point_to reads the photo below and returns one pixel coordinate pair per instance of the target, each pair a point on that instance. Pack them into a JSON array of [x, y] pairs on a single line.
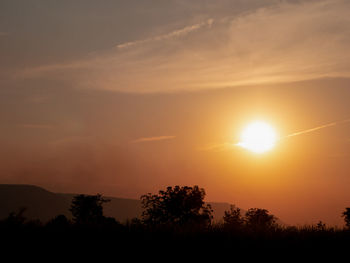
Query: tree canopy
[[258, 218], [233, 218], [178, 205], [87, 209]]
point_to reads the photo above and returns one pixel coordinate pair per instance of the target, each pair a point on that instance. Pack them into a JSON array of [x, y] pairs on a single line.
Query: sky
[[127, 97]]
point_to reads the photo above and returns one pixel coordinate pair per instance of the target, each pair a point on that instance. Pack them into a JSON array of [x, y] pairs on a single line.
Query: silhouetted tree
[[88, 209], [346, 215], [233, 218], [178, 205], [257, 218]]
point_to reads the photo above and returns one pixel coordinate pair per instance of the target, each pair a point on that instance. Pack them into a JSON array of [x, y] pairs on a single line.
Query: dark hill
[[44, 205], [39, 203]]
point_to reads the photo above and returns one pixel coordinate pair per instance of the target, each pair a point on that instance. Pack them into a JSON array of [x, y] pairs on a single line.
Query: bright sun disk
[[258, 137]]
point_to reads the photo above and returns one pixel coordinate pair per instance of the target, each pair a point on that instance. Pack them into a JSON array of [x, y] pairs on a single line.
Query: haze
[[127, 97]]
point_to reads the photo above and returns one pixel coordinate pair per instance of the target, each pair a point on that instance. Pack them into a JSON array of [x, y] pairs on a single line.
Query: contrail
[[228, 145], [317, 128], [177, 33], [152, 139]]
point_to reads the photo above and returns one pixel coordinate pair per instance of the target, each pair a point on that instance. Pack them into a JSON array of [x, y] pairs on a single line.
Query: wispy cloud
[[176, 33], [279, 43], [153, 139], [102, 58]]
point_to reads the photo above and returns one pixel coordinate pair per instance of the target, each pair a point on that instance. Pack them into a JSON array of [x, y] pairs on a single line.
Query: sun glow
[[258, 137]]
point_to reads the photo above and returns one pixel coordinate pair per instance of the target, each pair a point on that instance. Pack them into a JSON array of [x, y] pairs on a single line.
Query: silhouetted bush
[[346, 215], [321, 226]]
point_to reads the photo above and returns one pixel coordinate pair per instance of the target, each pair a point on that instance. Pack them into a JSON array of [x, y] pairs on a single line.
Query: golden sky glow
[[248, 99]]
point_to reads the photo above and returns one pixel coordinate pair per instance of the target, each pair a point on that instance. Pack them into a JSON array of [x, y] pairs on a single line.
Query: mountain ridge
[[44, 205]]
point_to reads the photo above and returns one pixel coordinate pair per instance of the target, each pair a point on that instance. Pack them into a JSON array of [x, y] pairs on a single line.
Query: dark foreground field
[[175, 224], [134, 240]]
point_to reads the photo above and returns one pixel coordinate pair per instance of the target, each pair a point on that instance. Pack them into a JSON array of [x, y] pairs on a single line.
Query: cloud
[[176, 33], [153, 139], [2, 34], [109, 56], [283, 42]]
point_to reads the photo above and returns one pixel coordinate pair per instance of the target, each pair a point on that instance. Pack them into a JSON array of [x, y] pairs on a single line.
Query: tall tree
[[258, 218], [88, 209], [178, 205], [233, 218]]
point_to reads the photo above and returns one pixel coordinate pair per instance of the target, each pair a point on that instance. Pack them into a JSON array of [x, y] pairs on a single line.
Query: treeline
[[177, 216]]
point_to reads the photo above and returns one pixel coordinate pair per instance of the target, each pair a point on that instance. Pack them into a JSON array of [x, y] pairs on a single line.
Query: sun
[[258, 137]]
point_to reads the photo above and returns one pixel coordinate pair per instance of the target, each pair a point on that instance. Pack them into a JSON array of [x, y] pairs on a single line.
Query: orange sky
[[128, 97]]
